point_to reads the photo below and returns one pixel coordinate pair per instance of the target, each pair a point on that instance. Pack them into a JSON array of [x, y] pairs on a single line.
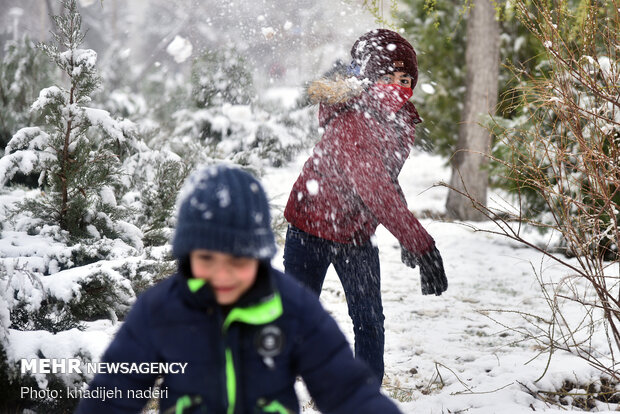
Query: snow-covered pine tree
[[23, 72], [79, 149]]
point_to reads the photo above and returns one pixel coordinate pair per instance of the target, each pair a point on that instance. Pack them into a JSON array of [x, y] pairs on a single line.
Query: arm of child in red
[[363, 166]]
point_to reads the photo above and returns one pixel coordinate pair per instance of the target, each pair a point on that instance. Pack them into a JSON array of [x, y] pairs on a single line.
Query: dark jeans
[[307, 257]]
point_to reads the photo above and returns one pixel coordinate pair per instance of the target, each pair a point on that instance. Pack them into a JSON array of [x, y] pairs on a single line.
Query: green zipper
[[259, 314]]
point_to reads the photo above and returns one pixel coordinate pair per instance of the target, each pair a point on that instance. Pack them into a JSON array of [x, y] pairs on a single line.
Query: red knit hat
[[383, 51]]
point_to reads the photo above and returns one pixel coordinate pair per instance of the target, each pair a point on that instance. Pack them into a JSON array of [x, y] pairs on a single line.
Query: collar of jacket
[[338, 95], [259, 305]]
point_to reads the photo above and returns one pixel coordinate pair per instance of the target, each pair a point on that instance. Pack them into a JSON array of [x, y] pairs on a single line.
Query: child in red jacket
[[350, 185]]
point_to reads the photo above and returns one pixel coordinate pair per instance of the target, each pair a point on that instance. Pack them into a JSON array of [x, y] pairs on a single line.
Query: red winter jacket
[[350, 183]]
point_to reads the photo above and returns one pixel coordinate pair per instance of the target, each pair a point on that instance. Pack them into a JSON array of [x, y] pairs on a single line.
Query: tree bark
[[469, 174]]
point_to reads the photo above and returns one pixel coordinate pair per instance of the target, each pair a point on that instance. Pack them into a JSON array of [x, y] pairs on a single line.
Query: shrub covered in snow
[[222, 76], [23, 73], [561, 160]]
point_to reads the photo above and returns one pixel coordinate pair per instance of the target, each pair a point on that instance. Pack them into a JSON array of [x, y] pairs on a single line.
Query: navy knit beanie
[[224, 209]]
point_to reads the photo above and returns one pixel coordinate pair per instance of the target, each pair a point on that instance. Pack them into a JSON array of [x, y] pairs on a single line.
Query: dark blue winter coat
[[229, 368]]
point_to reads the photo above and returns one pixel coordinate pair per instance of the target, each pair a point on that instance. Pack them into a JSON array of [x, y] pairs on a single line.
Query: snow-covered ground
[[442, 354]]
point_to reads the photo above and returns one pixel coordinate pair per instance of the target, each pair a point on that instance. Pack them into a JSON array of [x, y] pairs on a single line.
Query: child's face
[[229, 276], [396, 78]]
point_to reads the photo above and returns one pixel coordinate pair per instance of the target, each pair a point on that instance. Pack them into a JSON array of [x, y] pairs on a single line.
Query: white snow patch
[[240, 113], [47, 96], [112, 127], [107, 196]]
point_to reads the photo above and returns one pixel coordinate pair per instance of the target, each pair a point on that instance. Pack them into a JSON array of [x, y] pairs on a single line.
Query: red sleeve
[[361, 161]]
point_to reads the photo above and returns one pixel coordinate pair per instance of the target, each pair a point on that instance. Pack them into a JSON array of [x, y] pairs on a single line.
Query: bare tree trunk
[[482, 64]]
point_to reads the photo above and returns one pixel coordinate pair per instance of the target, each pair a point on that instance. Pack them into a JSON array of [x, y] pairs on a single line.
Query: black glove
[[432, 274], [409, 259]]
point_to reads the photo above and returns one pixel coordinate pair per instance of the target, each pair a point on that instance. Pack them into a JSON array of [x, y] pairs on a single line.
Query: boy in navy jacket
[[244, 330]]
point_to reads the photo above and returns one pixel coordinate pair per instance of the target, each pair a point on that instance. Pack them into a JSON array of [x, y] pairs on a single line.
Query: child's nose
[[222, 271]]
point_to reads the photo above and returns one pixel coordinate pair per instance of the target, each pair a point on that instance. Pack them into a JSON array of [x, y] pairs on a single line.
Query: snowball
[[268, 32], [428, 88], [180, 49], [313, 187]]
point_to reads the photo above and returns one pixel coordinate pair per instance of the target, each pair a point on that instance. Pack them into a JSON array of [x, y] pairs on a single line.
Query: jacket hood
[[338, 94], [335, 90]]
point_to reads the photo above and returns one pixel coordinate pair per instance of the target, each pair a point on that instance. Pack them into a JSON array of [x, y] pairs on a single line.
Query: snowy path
[[480, 364]]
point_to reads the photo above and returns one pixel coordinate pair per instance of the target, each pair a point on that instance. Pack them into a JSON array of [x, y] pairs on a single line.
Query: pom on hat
[[224, 209], [383, 51]]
